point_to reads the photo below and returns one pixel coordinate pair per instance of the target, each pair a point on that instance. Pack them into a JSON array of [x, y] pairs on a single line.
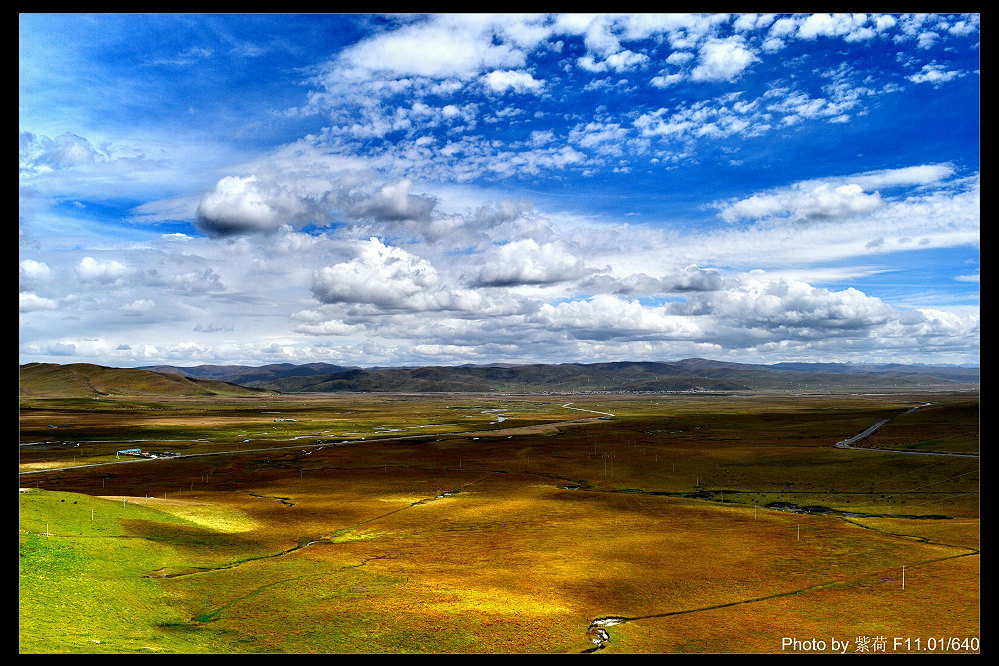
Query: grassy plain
[[485, 523]]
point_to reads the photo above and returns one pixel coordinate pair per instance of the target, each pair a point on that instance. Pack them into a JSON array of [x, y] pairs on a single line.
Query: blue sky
[[443, 189]]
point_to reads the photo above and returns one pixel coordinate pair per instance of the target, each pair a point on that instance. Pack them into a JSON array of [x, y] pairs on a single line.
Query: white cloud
[[923, 174], [748, 22], [692, 279], [407, 136], [796, 308], [382, 275], [29, 302], [934, 74], [773, 45], [441, 46], [104, 272], [796, 106], [884, 22], [806, 202], [247, 205], [667, 80], [679, 58], [594, 134], [964, 27], [783, 27], [33, 272], [850, 26], [927, 40], [199, 282], [139, 307], [621, 61], [521, 82], [756, 313], [720, 117], [837, 199], [605, 317], [39, 152], [329, 327], [392, 202], [723, 59], [529, 262]]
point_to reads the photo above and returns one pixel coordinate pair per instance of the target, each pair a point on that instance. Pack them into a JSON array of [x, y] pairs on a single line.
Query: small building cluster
[[144, 454]]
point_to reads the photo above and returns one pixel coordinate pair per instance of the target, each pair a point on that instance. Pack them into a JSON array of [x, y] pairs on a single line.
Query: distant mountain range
[[688, 375]]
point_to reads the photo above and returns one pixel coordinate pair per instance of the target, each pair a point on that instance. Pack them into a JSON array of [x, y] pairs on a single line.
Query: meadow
[[366, 523]]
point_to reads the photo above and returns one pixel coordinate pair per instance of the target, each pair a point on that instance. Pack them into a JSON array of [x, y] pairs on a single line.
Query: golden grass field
[[448, 530]]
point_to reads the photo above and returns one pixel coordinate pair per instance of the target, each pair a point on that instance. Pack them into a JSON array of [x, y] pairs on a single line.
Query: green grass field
[[448, 530]]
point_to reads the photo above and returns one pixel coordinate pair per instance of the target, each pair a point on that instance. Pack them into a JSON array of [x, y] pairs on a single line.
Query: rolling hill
[[84, 380]]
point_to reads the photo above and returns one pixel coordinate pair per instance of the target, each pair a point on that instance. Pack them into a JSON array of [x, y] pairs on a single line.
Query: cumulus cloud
[[749, 21], [529, 262], [247, 205], [797, 308], [441, 46], [934, 74], [723, 59], [505, 211], [392, 202], [665, 80], [811, 201], [520, 82], [692, 279], [33, 272], [679, 58], [637, 284], [319, 324], [606, 317], [199, 282], [853, 27], [386, 280], [29, 302], [756, 311], [772, 45], [381, 275], [858, 195], [615, 62], [928, 39], [103, 272]]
